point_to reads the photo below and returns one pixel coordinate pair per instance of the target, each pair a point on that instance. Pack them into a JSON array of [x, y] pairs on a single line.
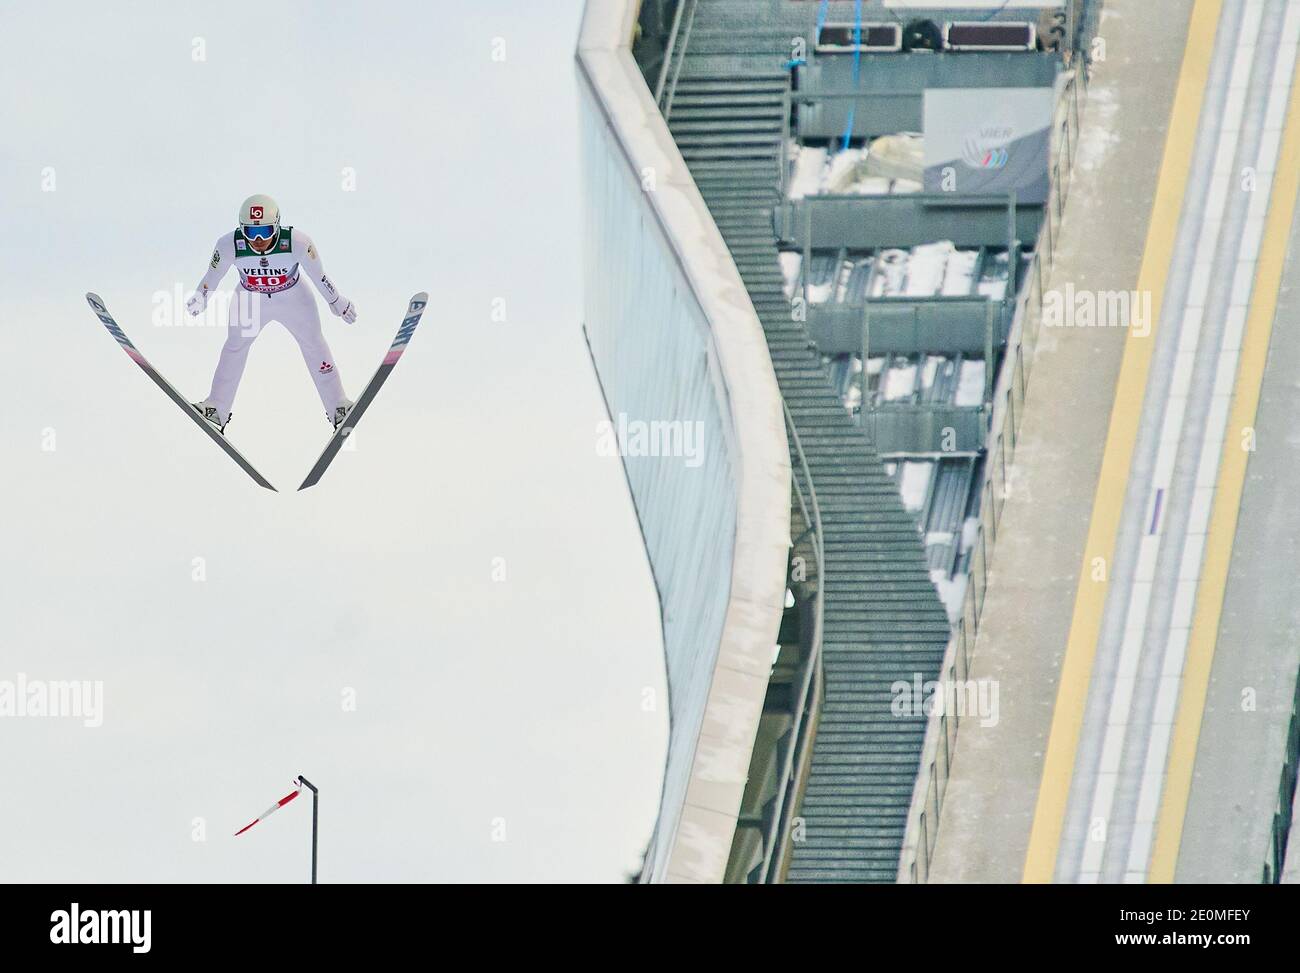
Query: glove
[[343, 308], [197, 302]]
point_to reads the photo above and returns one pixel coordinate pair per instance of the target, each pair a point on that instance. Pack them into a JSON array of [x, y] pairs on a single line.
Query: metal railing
[[1004, 426], [664, 99], [777, 836], [1280, 831]]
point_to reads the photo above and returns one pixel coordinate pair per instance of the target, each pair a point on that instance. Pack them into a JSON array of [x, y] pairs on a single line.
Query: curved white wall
[[675, 338]]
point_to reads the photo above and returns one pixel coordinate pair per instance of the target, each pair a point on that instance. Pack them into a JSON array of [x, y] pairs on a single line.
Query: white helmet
[[259, 210], [259, 221]]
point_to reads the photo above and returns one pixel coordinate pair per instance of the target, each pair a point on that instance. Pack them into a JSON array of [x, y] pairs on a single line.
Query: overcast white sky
[[475, 699]]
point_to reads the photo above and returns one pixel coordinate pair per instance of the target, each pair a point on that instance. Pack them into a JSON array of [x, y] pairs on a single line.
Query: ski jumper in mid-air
[[270, 259]]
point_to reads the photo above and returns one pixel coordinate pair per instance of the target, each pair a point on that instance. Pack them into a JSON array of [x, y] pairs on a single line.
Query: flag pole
[[315, 807]]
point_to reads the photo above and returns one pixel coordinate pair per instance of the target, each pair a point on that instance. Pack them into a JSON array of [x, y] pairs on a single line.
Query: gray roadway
[[1252, 683], [1124, 791]]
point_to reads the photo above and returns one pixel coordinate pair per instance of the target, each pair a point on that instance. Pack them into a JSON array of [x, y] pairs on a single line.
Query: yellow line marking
[[1108, 503], [1227, 500]]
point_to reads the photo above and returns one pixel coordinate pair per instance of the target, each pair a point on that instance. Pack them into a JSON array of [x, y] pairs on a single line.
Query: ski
[[413, 312], [101, 312]]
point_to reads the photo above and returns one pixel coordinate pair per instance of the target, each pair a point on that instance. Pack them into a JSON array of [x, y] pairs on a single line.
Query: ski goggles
[[259, 232]]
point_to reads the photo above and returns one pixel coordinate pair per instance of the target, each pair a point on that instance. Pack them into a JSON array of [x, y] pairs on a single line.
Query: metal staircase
[[883, 620]]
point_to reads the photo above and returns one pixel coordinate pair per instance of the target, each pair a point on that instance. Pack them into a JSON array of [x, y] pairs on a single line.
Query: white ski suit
[[268, 291]]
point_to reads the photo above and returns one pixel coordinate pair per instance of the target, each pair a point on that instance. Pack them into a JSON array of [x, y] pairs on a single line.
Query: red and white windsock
[[273, 808]]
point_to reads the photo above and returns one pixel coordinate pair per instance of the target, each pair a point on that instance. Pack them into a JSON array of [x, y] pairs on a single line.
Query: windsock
[[273, 808]]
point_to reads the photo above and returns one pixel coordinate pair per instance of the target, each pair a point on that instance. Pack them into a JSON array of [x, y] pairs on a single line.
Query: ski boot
[[341, 413], [209, 413]]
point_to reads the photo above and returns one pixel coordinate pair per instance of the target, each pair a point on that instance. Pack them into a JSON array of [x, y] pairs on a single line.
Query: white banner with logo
[[988, 141]]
